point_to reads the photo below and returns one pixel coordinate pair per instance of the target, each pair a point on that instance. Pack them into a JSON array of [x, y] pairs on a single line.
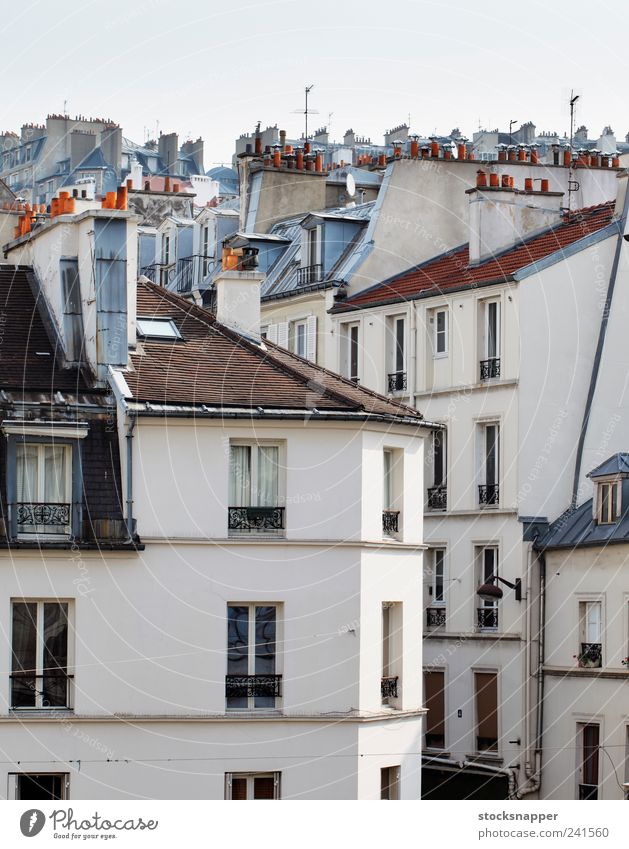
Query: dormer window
[[608, 500]]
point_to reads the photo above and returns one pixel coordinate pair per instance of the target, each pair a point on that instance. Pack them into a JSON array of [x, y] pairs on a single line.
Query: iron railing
[[435, 617], [252, 686], [388, 687], [490, 368], [438, 497], [50, 689], [487, 617], [397, 381], [489, 493], [255, 518], [588, 791], [591, 656], [30, 515], [309, 274], [390, 521], [191, 271], [160, 273]]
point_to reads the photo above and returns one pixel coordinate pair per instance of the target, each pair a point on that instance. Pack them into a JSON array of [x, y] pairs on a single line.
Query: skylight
[[158, 328]]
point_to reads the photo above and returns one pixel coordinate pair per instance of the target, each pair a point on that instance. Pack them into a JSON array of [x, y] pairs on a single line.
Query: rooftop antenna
[[330, 122], [572, 184], [65, 108], [511, 123], [306, 111]]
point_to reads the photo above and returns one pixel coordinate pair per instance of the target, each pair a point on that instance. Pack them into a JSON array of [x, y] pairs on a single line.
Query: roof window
[[158, 328]]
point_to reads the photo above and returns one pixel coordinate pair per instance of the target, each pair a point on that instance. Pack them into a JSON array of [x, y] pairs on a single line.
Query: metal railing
[[390, 521], [438, 497], [388, 687], [591, 656], [192, 271], [161, 273], [397, 381], [49, 689], [255, 518], [489, 493], [490, 368], [252, 686], [31, 516], [487, 618], [309, 274], [435, 617]]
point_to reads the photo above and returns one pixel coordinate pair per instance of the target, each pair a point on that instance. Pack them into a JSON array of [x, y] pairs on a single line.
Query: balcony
[[397, 381], [390, 522], [253, 686], [490, 368], [161, 273], [588, 791], [388, 687], [487, 618], [438, 497], [255, 518], [435, 617], [43, 518], [191, 271], [591, 656], [48, 690], [489, 494], [309, 274]]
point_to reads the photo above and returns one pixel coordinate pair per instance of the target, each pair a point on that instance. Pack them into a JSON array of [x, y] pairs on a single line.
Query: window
[[72, 312], [390, 783], [441, 333], [302, 338], [392, 489], [349, 351], [486, 568], [396, 354], [39, 669], [608, 494], [254, 488], [39, 786], [43, 488], [165, 250], [590, 625], [489, 488], [490, 357], [252, 680], [434, 690], [486, 698], [243, 786], [158, 328], [437, 493], [438, 576], [587, 773], [391, 650]]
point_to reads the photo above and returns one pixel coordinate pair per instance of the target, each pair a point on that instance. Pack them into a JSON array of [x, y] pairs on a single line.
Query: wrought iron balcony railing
[[438, 497], [252, 686], [255, 518], [591, 656], [490, 368], [489, 494], [390, 521], [388, 687], [588, 791], [42, 517], [51, 689], [435, 617], [309, 274], [487, 618], [191, 271], [397, 381]]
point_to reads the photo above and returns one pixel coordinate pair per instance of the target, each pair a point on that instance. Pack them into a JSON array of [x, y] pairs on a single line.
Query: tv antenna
[[305, 112], [573, 186]]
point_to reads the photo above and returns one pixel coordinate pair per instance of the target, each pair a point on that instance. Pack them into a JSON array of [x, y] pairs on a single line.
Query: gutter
[[132, 421]]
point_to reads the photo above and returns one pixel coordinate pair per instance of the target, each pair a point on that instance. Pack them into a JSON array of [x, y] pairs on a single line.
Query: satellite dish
[[350, 185]]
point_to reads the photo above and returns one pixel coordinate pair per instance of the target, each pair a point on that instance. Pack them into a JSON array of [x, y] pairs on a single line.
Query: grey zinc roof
[[577, 528], [616, 465]]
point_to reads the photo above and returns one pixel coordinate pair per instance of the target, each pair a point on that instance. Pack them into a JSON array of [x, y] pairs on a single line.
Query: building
[[585, 563], [212, 549]]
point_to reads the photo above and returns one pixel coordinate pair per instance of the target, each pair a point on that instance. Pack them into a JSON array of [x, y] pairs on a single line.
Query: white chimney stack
[[238, 301]]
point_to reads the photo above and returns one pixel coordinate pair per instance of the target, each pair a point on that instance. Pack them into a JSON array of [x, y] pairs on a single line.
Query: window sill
[[257, 534]]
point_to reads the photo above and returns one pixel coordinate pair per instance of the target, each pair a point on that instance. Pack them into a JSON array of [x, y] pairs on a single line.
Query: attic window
[[158, 328], [608, 502]]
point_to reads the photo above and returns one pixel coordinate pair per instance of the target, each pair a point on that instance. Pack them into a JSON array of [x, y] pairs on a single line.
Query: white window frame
[[482, 575], [13, 782], [40, 530], [444, 334], [348, 328], [608, 516], [439, 554], [254, 472], [251, 645], [393, 346], [250, 778], [487, 355]]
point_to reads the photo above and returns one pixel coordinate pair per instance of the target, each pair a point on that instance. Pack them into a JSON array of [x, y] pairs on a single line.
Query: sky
[[214, 69]]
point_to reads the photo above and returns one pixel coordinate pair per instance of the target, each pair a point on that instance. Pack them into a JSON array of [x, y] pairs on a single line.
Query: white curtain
[[593, 622], [240, 476], [26, 456], [268, 458], [54, 474]]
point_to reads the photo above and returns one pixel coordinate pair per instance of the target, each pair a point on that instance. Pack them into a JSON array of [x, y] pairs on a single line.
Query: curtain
[[240, 476], [54, 474], [26, 456], [268, 459]]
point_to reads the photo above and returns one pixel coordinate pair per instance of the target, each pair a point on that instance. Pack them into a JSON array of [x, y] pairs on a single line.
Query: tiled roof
[[215, 366], [451, 270]]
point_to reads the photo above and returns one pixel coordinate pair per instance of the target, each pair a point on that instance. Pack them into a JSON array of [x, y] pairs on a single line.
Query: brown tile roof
[[217, 367], [451, 270]]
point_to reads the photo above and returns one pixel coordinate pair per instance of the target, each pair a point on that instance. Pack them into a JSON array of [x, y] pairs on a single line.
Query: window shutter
[[311, 338], [282, 334], [271, 334]]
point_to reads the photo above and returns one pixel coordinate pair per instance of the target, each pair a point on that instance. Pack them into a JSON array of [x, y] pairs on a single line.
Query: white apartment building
[[212, 551]]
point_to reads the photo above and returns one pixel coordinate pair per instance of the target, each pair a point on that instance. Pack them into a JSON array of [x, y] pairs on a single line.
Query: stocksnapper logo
[[32, 822]]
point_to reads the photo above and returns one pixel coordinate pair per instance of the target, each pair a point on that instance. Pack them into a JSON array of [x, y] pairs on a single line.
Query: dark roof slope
[[215, 366], [452, 270], [577, 528]]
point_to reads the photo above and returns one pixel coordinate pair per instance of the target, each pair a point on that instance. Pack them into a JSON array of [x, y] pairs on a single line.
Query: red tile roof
[[215, 366], [451, 270]]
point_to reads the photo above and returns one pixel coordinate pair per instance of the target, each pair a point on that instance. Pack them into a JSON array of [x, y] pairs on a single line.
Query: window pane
[[55, 654], [353, 357], [24, 654], [239, 789], [240, 476], [491, 454], [265, 649], [26, 458], [237, 648], [439, 458], [300, 340], [54, 474], [263, 787], [593, 622], [399, 344], [268, 460], [439, 566], [435, 703], [492, 330], [388, 474], [486, 710], [590, 754]]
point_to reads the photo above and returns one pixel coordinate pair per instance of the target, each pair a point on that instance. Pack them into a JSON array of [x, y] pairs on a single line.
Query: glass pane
[[26, 458], [24, 687], [54, 474], [399, 344], [300, 340], [438, 459], [239, 789], [240, 476], [263, 787], [439, 576], [268, 460], [265, 649], [388, 489], [55, 654], [491, 455], [593, 624], [353, 367], [492, 330], [590, 754], [237, 649], [40, 787]]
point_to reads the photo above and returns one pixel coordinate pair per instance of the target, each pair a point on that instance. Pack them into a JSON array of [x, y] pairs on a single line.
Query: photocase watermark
[[66, 826]]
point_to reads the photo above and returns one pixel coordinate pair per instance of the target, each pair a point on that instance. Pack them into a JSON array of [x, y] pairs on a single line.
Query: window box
[[590, 656]]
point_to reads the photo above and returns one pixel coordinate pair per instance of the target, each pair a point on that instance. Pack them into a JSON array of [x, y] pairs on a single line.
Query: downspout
[[599, 348], [129, 437], [412, 362]]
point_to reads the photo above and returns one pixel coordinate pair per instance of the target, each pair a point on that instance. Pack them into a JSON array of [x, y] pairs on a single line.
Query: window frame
[[390, 791], [293, 337], [442, 723], [444, 333], [14, 783], [492, 750], [250, 779], [251, 651], [435, 602], [613, 504], [487, 304], [174, 336]]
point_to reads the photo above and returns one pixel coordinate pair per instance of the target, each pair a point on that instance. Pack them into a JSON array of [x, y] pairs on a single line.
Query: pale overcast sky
[[209, 68]]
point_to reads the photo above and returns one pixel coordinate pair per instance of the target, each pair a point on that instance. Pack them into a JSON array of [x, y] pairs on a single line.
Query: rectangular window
[[588, 777], [591, 627], [297, 338], [252, 680], [434, 690], [166, 250], [438, 575], [486, 697], [489, 486], [492, 330], [390, 783], [39, 786], [608, 502], [391, 650], [254, 488], [39, 669], [43, 488], [396, 336], [243, 786], [439, 438], [441, 333], [487, 568], [352, 354], [392, 490]]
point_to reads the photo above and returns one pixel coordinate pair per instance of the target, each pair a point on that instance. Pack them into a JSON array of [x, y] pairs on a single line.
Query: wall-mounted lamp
[[489, 591]]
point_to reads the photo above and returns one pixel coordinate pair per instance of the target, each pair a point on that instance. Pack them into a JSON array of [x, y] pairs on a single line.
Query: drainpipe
[[412, 360], [129, 437], [599, 348], [508, 771]]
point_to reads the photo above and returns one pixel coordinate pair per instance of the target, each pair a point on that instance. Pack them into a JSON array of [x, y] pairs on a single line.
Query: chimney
[[501, 217], [238, 295]]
